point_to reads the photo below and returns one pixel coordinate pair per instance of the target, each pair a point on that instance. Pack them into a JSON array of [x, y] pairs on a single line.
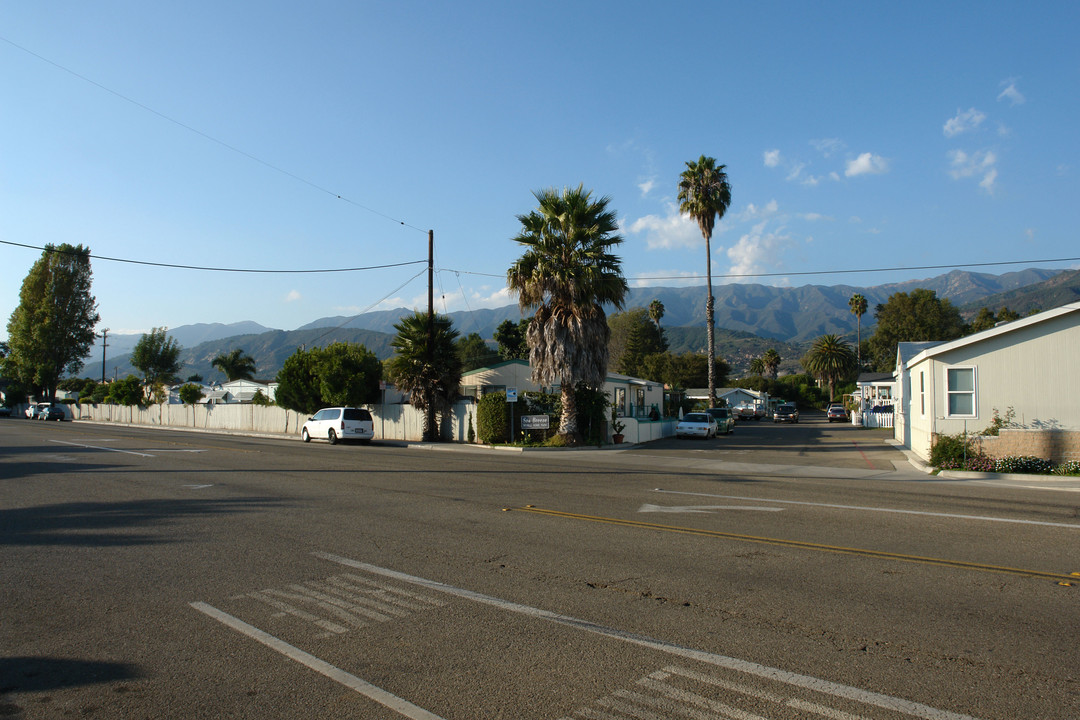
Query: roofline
[[994, 332]]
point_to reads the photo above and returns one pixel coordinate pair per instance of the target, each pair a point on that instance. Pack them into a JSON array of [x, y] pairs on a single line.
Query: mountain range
[[750, 318]]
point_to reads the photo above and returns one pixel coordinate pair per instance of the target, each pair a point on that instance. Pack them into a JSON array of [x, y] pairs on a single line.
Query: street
[[785, 571]]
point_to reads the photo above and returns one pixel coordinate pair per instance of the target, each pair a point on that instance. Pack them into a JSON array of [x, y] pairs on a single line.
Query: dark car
[[53, 412], [725, 421], [786, 413]]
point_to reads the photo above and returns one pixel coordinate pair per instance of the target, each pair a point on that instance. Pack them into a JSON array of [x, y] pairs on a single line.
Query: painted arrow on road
[[702, 508]]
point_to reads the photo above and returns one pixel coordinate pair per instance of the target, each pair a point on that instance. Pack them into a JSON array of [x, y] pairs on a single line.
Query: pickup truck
[[750, 412]]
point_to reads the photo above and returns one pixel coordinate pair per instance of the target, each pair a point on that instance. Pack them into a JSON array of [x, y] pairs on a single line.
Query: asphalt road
[[781, 572]]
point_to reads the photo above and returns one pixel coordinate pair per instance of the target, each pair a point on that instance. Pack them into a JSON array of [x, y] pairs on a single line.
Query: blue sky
[[328, 135]]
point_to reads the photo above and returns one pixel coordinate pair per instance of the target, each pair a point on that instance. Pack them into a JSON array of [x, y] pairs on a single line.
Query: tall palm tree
[[236, 365], [830, 359], [757, 367], [772, 360], [656, 312], [704, 195], [858, 308], [430, 379], [567, 274]]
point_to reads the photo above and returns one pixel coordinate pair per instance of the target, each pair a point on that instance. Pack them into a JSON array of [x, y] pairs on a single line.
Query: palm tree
[[858, 308], [656, 312], [568, 273], [757, 367], [771, 359], [430, 379], [704, 195], [236, 365], [830, 359]]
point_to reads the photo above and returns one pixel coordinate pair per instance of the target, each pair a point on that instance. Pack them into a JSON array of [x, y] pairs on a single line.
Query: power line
[[225, 269], [211, 138], [369, 307]]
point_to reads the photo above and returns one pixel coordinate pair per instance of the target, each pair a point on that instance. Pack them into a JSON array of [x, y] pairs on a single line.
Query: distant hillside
[[735, 347], [186, 335], [796, 315], [1054, 292], [269, 349]]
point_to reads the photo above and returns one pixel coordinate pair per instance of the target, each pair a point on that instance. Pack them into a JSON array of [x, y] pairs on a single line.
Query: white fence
[[873, 420]]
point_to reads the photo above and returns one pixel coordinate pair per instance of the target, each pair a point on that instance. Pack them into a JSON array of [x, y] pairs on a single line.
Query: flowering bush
[[1023, 464], [974, 463]]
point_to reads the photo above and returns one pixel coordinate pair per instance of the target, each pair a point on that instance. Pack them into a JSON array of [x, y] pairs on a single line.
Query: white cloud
[[753, 212], [666, 278], [828, 146], [293, 296], [673, 230], [1029, 235], [646, 186], [757, 251], [772, 158], [813, 217], [979, 164], [866, 164], [1011, 93], [963, 122]]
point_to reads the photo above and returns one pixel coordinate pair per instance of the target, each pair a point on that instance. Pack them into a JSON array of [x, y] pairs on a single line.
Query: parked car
[[749, 412], [836, 411], [786, 413], [339, 423], [52, 412], [725, 421], [33, 409], [696, 425], [5, 412]]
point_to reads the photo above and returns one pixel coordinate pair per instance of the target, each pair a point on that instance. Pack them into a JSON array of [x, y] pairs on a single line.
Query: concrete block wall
[[1057, 446]]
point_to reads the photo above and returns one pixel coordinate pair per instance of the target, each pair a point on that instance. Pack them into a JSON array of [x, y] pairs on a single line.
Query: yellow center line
[[1065, 577]]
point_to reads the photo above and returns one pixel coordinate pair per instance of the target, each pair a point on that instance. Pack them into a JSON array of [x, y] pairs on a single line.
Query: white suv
[[339, 423]]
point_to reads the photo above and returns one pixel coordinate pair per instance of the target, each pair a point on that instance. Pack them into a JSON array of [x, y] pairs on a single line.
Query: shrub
[[949, 451], [491, 418], [1069, 468]]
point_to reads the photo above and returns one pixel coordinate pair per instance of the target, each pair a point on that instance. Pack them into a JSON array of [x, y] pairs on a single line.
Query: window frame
[[973, 392]]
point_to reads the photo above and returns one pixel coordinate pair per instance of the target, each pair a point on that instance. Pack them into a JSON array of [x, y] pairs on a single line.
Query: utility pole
[[430, 423], [104, 335]]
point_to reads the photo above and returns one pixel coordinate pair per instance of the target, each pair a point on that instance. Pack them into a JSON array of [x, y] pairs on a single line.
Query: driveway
[[813, 441]]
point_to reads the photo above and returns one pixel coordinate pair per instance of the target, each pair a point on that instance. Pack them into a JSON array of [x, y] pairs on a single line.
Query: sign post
[[511, 398]]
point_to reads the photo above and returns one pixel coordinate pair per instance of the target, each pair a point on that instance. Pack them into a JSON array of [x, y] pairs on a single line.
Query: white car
[[339, 423], [35, 409], [700, 425]]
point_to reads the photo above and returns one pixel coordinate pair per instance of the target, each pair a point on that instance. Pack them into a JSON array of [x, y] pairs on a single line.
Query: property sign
[[511, 394], [535, 422]]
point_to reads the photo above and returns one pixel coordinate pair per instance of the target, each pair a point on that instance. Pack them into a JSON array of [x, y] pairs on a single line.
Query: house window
[[620, 401], [960, 392], [922, 393]]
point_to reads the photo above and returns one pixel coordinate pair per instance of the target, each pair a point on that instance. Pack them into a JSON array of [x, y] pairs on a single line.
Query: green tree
[[235, 365], [158, 357], [298, 383], [688, 370], [985, 319], [338, 374], [915, 317], [771, 360], [474, 352], [191, 394], [567, 274], [128, 391], [426, 366], [704, 195], [857, 304], [52, 329], [757, 367], [633, 335], [348, 374], [511, 337], [830, 359]]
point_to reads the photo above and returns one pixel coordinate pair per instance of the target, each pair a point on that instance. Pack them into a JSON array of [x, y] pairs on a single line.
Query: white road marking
[[866, 697], [398, 705], [701, 508], [198, 487], [983, 518], [98, 447]]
